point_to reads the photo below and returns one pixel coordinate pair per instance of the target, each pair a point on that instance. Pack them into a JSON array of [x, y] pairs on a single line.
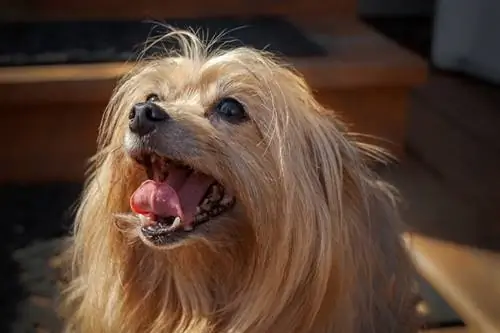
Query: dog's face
[[223, 147], [207, 135], [188, 126]]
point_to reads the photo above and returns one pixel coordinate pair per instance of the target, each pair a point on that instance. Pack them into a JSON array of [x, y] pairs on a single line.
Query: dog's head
[[226, 165], [220, 142]]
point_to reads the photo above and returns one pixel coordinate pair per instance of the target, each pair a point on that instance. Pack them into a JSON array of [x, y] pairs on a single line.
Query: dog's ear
[[334, 158], [340, 155], [354, 206], [366, 221]]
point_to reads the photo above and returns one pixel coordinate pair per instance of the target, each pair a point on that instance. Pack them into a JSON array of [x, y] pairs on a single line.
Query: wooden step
[[365, 77], [467, 278]]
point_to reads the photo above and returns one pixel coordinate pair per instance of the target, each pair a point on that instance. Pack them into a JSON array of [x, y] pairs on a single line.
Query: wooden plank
[[48, 143], [468, 278]]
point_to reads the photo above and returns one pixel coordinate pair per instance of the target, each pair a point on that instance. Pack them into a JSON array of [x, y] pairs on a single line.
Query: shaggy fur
[[312, 244]]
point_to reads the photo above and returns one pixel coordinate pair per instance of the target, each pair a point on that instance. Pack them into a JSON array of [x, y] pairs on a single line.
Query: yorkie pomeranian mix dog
[[225, 199]]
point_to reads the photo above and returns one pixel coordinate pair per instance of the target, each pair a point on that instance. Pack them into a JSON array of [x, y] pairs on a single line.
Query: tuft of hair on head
[[191, 43]]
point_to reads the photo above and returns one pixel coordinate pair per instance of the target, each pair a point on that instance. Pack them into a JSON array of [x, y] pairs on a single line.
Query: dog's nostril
[[155, 113], [131, 115]]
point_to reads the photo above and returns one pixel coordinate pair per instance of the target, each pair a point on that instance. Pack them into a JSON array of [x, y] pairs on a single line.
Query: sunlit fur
[[312, 245]]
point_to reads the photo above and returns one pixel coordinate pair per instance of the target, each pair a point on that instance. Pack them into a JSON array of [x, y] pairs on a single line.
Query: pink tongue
[[156, 198], [178, 195]]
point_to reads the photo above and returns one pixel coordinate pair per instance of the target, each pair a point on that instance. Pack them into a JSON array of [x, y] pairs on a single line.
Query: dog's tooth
[[198, 209], [227, 200], [206, 205], [188, 227], [176, 223], [201, 217], [216, 193]]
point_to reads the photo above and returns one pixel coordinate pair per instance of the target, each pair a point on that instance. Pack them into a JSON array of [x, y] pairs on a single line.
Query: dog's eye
[[231, 110], [152, 98]]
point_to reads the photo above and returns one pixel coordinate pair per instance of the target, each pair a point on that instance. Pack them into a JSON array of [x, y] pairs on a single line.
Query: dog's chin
[[177, 205]]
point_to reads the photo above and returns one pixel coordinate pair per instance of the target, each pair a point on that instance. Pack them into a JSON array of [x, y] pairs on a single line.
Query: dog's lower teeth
[[188, 228], [227, 200], [206, 205], [215, 194], [215, 211], [201, 217]]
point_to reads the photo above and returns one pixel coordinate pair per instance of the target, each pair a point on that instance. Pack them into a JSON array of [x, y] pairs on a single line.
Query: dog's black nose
[[145, 116]]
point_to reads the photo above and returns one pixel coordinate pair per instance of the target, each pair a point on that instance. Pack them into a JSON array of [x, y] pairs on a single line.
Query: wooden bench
[[50, 114], [467, 278]]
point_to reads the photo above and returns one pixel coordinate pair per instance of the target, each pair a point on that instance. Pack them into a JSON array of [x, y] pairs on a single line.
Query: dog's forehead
[[217, 75]]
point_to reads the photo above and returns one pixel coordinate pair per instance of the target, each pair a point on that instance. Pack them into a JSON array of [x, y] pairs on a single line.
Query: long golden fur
[[312, 244]]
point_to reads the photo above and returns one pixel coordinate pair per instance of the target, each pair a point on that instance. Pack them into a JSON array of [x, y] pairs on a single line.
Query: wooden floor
[[451, 176]]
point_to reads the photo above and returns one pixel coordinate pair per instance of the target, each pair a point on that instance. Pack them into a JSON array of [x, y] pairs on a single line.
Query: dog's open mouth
[[176, 199]]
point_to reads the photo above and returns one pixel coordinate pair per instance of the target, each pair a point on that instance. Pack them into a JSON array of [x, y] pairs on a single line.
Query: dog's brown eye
[[231, 110], [152, 98]]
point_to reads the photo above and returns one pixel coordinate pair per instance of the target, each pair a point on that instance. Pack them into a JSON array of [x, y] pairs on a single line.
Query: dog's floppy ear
[[339, 154], [366, 222], [353, 209]]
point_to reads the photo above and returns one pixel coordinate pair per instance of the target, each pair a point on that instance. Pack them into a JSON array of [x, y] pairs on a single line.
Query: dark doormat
[[412, 32], [77, 42], [40, 279], [31, 214]]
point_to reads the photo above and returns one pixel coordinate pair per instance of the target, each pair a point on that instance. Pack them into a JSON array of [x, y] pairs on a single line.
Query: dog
[[224, 198]]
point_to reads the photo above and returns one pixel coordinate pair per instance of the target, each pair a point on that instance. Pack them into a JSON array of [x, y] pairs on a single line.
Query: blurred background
[[422, 76]]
